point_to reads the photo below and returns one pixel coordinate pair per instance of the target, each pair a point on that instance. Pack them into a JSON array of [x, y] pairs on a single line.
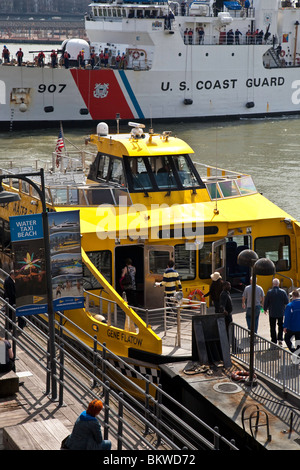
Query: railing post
[[61, 374], [106, 412], [158, 414], [120, 421], [216, 438], [178, 328], [94, 362]]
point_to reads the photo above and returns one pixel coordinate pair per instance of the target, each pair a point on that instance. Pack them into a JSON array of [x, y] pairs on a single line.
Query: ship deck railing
[[87, 372]]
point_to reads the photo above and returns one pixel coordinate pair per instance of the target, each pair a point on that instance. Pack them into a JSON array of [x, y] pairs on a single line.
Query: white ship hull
[[178, 81]]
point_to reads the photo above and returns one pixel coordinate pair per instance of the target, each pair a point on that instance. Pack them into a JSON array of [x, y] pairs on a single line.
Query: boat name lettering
[[122, 336], [52, 88], [260, 82]]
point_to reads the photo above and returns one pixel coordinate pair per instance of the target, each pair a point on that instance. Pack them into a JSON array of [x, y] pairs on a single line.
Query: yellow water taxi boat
[[143, 198]]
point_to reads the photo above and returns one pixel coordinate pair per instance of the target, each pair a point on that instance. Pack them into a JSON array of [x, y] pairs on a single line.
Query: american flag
[[60, 143]]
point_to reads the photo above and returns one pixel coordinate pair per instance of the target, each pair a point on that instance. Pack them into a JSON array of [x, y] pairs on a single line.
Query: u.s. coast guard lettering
[[227, 84]]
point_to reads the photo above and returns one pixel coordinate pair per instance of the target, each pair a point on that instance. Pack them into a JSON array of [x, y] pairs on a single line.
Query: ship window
[[185, 261], [277, 249], [158, 261], [102, 260]]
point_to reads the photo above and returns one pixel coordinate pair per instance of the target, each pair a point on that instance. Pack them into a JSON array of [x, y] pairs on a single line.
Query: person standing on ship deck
[[66, 59], [237, 35], [19, 55], [130, 289]]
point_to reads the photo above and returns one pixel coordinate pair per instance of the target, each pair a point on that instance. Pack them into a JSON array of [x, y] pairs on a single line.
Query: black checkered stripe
[[152, 372]]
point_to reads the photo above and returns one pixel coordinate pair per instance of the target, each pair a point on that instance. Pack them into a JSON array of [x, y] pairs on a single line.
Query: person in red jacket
[[19, 55]]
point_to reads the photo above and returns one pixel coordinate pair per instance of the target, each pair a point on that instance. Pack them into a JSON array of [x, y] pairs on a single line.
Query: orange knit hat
[[94, 407]]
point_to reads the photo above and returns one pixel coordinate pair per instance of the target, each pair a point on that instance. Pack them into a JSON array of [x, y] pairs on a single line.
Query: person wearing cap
[[86, 433], [215, 290]]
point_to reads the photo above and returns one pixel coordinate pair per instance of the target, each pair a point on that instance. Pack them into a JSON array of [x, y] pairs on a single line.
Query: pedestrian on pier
[[86, 434], [10, 295], [215, 290], [291, 324], [247, 302], [275, 302], [7, 362]]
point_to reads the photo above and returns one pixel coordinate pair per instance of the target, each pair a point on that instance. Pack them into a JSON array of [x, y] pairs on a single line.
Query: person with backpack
[[127, 282]]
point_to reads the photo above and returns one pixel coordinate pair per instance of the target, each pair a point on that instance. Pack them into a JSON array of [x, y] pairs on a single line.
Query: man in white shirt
[[247, 300]]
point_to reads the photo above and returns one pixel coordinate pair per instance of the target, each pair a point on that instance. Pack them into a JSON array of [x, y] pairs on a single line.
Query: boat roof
[[148, 145]]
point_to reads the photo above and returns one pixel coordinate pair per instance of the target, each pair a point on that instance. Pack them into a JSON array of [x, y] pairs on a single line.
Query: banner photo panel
[[66, 261]]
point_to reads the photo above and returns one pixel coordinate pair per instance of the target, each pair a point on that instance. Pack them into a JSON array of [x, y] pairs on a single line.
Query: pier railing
[[88, 372], [270, 360]]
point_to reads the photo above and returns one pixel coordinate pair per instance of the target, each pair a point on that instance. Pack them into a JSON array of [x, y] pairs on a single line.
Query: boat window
[[277, 249], [158, 261], [185, 261], [164, 176], [102, 260], [246, 185], [205, 260], [117, 172], [140, 176], [103, 167], [228, 188], [213, 190], [162, 173]]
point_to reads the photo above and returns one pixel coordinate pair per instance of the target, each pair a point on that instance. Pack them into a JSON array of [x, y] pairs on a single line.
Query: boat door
[[155, 264], [219, 257]]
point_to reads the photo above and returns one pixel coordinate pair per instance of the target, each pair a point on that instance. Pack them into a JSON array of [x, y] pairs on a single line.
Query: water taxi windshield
[[160, 173]]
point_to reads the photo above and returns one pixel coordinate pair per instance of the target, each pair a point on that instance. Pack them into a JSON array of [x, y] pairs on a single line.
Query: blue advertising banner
[[66, 261], [29, 264]]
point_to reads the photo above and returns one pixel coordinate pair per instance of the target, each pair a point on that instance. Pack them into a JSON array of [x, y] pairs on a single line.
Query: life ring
[[193, 294], [282, 53], [136, 55], [241, 375]]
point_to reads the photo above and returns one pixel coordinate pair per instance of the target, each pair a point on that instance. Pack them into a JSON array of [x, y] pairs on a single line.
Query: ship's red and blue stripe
[[107, 93]]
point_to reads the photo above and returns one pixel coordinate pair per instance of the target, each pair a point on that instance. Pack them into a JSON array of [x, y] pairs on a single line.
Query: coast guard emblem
[[101, 90]]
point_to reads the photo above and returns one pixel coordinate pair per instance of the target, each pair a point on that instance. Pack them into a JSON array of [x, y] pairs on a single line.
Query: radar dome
[[102, 129], [74, 46]]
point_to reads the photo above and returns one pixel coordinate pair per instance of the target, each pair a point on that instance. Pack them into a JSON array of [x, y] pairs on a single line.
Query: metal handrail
[[96, 370], [270, 360]]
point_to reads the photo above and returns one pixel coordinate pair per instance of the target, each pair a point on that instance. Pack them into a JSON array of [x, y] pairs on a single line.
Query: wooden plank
[[36, 435], [17, 438]]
